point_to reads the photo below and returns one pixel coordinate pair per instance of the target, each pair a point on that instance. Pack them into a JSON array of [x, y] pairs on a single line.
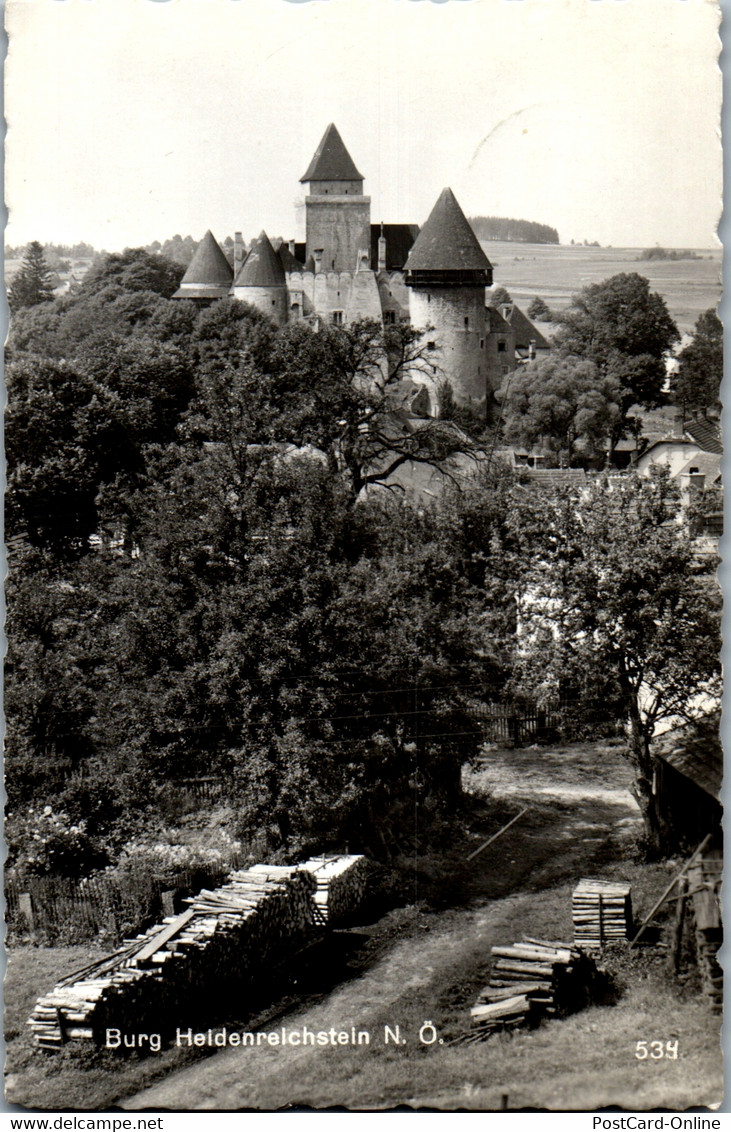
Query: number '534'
[[656, 1050]]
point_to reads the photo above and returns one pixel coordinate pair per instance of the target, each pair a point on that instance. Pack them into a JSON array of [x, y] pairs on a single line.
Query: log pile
[[530, 980], [342, 884], [190, 962], [602, 912]]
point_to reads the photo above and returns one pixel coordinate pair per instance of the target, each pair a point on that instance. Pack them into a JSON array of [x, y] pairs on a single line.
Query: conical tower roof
[[447, 243], [262, 267], [209, 266], [331, 162]]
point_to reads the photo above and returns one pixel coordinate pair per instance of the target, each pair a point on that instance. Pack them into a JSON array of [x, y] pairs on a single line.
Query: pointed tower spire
[[209, 273], [331, 161], [261, 282], [262, 266], [447, 248]]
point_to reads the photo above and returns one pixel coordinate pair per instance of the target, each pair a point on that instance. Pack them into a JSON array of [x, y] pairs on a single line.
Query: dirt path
[[406, 984]]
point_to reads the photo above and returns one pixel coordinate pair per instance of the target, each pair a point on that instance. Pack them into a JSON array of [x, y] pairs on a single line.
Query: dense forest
[[514, 231]]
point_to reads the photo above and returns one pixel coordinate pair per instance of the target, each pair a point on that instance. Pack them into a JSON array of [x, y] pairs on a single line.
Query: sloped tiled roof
[[209, 266], [447, 242], [705, 433], [708, 463], [696, 755], [557, 477], [496, 321], [287, 260], [525, 331], [399, 242], [331, 161], [262, 267]]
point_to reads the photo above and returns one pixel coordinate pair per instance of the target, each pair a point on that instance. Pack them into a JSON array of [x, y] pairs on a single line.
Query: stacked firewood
[[529, 980], [602, 912], [190, 962], [342, 884]]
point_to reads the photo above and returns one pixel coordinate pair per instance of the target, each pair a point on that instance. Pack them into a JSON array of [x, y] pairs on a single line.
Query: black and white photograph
[[362, 684]]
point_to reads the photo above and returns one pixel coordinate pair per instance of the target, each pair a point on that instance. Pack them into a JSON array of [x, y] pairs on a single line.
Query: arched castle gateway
[[350, 269]]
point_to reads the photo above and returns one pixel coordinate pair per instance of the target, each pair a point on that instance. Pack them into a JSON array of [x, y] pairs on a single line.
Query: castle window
[[466, 322], [337, 318], [431, 345], [389, 318], [482, 343], [506, 369], [501, 346]]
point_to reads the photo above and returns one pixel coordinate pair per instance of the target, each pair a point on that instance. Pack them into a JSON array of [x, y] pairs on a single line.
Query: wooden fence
[[62, 909], [514, 725]]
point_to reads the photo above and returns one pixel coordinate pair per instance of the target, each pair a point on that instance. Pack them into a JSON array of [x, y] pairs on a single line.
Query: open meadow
[[558, 271]]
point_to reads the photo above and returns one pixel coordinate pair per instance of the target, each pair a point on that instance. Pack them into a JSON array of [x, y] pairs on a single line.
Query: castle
[[349, 269]]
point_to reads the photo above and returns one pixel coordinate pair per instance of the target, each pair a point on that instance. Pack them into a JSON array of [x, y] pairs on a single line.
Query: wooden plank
[[655, 908], [499, 833], [161, 938]]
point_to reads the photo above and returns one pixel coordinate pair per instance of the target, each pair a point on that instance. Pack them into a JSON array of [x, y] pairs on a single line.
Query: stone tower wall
[[341, 226], [272, 301], [457, 315]]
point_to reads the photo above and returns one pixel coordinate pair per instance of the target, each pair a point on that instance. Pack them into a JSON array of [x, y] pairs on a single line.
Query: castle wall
[[499, 362], [354, 296], [272, 301], [457, 315], [340, 226]]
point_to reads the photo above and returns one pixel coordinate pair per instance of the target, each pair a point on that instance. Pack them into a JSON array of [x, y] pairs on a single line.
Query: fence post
[[25, 903]]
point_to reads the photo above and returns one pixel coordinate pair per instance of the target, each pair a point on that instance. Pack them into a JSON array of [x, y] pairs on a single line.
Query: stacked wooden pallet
[[602, 911], [531, 979], [187, 964], [342, 885]]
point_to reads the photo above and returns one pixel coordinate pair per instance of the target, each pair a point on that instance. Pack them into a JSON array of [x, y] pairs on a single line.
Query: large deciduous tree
[[697, 382], [564, 405], [614, 594], [625, 329]]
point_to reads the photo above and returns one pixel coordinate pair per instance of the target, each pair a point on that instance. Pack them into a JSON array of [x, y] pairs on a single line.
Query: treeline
[[514, 231], [667, 253]]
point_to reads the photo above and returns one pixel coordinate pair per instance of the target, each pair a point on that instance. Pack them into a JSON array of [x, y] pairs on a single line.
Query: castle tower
[[209, 273], [261, 281], [337, 215], [447, 273]]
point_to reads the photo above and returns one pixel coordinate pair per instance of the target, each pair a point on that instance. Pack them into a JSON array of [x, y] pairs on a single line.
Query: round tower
[[262, 282], [447, 273], [209, 274]]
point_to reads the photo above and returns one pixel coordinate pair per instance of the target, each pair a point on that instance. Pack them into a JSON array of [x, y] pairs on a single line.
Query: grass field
[[556, 272]]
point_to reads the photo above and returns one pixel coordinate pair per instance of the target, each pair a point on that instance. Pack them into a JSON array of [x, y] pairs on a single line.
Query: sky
[[134, 120]]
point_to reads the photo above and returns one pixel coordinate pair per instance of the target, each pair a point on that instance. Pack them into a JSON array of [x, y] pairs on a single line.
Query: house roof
[[524, 330], [696, 754], [287, 260], [557, 477], [399, 242], [209, 266], [708, 463], [262, 266], [331, 161], [447, 241], [706, 434], [496, 321]]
